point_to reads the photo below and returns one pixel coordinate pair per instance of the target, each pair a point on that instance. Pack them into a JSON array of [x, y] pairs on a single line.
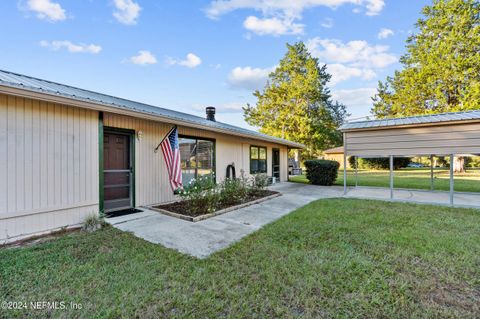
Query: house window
[[197, 157], [258, 159]]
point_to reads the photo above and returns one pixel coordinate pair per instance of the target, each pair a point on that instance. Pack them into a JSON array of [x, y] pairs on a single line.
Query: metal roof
[[335, 150], [413, 120], [20, 81]]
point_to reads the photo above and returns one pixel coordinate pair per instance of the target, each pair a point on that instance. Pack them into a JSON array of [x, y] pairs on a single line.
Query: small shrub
[[93, 222], [322, 172], [233, 191], [259, 183], [201, 195]]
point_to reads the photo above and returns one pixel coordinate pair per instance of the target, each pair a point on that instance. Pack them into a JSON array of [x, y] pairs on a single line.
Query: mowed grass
[[408, 178], [341, 258]]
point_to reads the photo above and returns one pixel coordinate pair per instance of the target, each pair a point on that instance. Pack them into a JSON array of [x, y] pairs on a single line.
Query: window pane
[[204, 157], [253, 166], [253, 152], [262, 166], [262, 153], [187, 157]]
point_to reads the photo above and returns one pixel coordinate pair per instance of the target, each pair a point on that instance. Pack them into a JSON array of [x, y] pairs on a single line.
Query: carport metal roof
[[413, 120]]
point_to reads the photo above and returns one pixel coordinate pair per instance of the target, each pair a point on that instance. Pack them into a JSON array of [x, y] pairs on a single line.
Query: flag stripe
[[171, 155]]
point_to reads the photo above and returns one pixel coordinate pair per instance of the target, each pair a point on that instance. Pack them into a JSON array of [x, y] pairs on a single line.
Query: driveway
[[205, 237]]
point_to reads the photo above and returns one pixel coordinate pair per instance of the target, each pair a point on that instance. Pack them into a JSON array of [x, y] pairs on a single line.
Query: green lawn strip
[[408, 178], [341, 258]]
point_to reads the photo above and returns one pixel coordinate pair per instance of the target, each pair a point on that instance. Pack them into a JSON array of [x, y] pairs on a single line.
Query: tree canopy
[[297, 105], [441, 69]]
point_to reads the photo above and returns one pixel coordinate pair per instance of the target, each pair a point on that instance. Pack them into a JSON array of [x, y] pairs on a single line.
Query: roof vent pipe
[[210, 110]]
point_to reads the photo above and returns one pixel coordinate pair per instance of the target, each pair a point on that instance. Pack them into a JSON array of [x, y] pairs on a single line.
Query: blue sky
[[185, 55]]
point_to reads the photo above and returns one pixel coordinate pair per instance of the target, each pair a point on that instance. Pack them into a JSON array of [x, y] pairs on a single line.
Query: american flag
[[171, 154]]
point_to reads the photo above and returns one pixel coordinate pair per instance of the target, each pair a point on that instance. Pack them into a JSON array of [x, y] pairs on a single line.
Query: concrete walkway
[[205, 237]]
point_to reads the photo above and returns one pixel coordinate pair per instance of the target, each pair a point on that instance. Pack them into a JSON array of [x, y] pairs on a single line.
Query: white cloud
[[342, 73], [143, 58], [356, 53], [47, 10], [280, 16], [72, 47], [127, 11], [374, 7], [327, 23], [248, 78], [191, 61], [355, 97], [385, 33], [351, 59], [289, 8], [272, 26]]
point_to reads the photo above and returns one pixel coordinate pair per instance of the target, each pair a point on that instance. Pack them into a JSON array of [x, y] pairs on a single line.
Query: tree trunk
[[459, 164]]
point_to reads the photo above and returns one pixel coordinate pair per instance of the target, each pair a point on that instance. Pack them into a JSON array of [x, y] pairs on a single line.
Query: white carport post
[[431, 172], [356, 171], [391, 176], [344, 164], [451, 178]]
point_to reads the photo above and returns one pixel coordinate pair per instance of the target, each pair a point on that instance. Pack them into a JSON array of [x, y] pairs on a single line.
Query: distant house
[[66, 152], [335, 154]]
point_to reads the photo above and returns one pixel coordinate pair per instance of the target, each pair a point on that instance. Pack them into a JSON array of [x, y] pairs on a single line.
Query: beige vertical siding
[[151, 180], [48, 166], [437, 140]]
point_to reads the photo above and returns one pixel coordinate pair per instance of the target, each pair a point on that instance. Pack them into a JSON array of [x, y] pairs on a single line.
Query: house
[[335, 154], [66, 153]]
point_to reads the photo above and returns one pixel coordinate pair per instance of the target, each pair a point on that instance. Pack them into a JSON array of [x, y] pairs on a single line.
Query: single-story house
[[66, 153], [335, 154]]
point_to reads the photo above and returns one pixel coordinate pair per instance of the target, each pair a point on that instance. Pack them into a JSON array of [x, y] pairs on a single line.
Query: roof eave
[[94, 105]]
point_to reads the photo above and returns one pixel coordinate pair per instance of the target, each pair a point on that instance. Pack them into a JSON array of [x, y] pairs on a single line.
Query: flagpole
[[163, 139]]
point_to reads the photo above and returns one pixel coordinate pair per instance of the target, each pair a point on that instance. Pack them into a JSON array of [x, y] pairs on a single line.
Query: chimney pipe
[[210, 110]]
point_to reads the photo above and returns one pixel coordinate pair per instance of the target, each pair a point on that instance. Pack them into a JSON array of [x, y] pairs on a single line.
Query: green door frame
[[131, 134]]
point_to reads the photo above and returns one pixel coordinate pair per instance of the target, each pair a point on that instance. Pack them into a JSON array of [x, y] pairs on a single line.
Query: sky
[[185, 55]]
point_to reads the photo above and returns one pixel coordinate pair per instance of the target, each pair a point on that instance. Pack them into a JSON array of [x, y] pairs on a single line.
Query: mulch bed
[[181, 207]]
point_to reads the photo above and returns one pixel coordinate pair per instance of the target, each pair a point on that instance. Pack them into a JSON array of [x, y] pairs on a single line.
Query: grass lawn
[[332, 258], [409, 178]]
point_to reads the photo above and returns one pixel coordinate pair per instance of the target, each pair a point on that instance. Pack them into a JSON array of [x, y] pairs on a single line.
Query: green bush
[[259, 183], [201, 195], [379, 163], [322, 172], [233, 191]]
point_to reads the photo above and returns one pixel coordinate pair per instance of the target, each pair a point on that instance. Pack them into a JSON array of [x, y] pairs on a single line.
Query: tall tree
[[441, 69], [296, 103]]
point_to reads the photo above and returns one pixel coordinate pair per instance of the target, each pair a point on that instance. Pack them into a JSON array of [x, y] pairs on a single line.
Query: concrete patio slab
[[469, 200], [203, 238]]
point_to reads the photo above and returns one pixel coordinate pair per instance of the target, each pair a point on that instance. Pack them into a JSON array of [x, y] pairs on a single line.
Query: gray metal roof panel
[[38, 85], [412, 120]]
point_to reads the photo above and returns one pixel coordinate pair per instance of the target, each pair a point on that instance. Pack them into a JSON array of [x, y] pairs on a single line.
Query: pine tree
[[296, 103], [441, 69]]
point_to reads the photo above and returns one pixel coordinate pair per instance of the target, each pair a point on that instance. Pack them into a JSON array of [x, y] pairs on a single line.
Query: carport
[[446, 134]]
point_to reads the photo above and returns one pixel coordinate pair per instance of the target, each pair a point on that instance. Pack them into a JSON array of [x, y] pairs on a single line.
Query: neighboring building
[[66, 153], [335, 154]]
